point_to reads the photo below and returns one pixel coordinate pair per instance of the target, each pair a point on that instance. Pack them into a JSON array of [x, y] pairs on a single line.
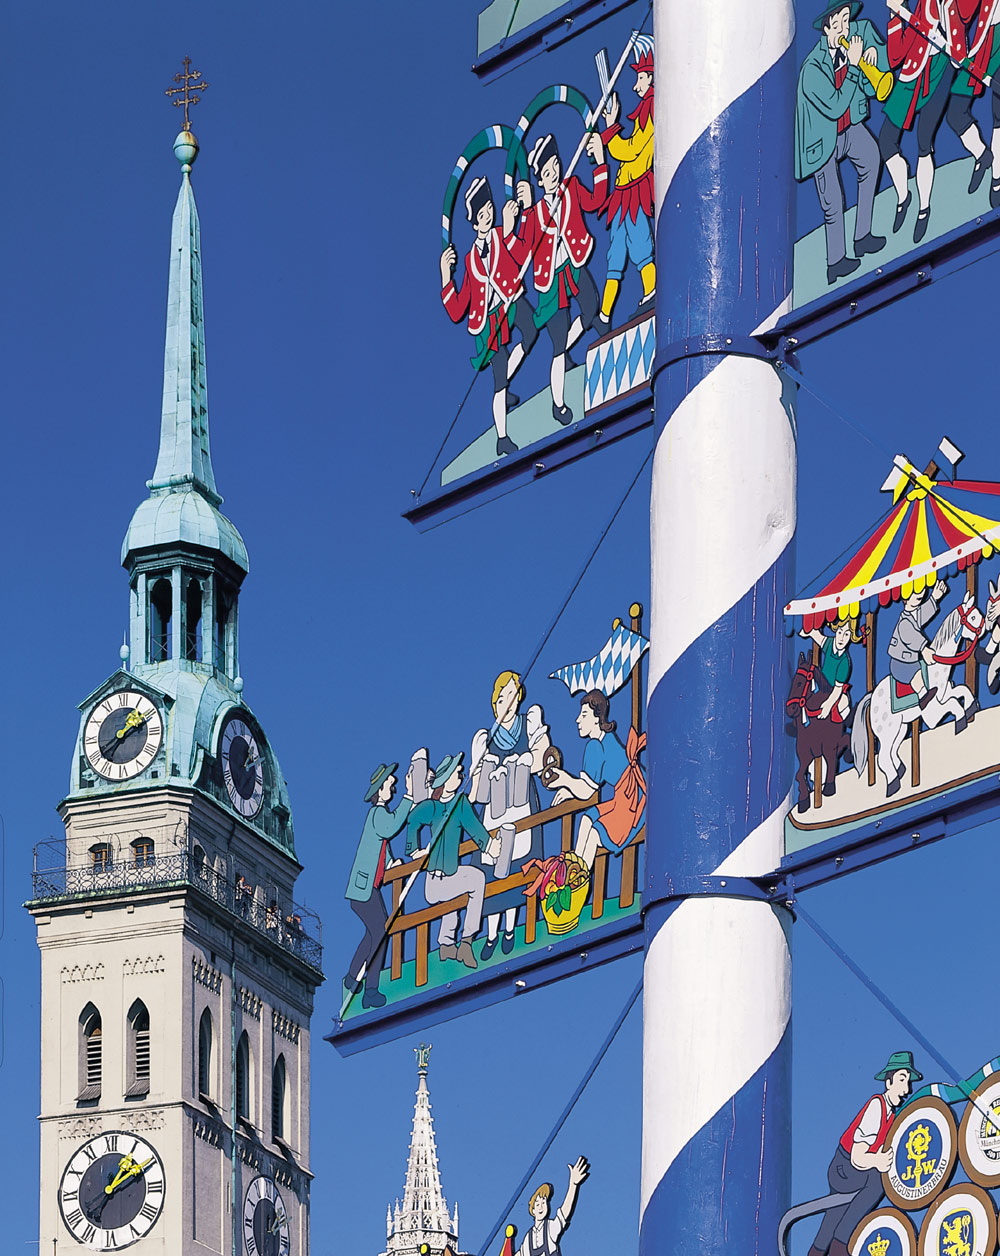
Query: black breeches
[[928, 120], [960, 112], [559, 324], [525, 323]]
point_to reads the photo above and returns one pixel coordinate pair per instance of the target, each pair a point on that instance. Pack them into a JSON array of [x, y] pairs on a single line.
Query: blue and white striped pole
[[716, 1045]]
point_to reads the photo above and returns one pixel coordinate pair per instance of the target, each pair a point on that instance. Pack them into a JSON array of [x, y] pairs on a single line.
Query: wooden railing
[[419, 921]]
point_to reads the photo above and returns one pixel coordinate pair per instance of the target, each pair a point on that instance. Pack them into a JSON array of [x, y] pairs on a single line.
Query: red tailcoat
[[541, 229], [908, 45], [479, 285]]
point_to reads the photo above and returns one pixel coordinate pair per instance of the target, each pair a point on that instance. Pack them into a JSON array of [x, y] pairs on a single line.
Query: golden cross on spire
[[186, 98]]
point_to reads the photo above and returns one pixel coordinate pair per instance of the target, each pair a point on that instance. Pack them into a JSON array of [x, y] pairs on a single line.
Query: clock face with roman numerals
[[112, 1191], [265, 1222], [122, 736], [242, 766]]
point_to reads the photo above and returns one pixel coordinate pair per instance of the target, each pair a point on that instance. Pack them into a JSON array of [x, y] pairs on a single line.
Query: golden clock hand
[[135, 719], [125, 1167]]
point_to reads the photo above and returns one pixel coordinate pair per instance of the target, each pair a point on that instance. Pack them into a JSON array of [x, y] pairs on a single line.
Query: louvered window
[[138, 1051], [243, 1078], [90, 1054], [278, 1100], [205, 1054]]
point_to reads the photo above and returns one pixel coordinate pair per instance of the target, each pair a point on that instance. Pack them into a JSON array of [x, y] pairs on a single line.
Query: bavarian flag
[[606, 671]]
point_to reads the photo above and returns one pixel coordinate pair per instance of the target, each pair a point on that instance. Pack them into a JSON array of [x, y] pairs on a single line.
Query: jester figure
[[629, 208]]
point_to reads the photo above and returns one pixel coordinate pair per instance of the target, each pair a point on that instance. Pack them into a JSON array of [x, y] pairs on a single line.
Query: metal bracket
[[712, 344], [716, 887]]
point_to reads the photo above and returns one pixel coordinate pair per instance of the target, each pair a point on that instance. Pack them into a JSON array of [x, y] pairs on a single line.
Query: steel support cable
[[435, 837], [896, 1013], [563, 1116], [588, 131]]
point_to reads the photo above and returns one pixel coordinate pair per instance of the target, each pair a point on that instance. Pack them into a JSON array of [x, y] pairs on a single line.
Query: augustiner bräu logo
[[919, 1166]]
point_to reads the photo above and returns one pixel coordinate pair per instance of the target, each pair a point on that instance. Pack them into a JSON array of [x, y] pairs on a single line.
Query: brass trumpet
[[880, 80]]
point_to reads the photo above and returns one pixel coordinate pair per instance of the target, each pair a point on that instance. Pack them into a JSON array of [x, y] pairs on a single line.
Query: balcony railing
[[292, 929]]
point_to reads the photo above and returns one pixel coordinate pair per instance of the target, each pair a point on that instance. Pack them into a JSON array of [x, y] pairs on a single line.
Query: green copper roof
[[183, 500]]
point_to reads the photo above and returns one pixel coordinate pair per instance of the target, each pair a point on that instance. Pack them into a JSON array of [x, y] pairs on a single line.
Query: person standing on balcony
[[365, 882]]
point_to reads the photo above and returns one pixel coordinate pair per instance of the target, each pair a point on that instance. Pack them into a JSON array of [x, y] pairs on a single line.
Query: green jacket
[[446, 833], [819, 103], [381, 824]]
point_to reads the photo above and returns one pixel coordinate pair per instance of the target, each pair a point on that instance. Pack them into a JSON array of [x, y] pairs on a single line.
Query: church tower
[[421, 1222], [178, 973]]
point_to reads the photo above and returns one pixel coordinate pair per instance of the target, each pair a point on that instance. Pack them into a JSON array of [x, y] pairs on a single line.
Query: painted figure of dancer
[[492, 300], [554, 235]]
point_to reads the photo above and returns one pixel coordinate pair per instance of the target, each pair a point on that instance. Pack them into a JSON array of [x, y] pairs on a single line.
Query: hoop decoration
[[924, 1143], [500, 136], [963, 1219], [557, 94], [979, 1137], [884, 1232]]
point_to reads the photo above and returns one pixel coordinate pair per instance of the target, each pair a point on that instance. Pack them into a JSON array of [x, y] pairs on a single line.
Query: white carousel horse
[[964, 623]]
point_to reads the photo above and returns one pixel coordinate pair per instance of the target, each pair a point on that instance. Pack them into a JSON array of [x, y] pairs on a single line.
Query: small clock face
[[122, 736], [112, 1190], [265, 1222], [242, 767]]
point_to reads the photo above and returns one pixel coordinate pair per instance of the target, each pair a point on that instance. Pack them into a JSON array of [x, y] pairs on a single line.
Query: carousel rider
[[835, 664], [909, 645]]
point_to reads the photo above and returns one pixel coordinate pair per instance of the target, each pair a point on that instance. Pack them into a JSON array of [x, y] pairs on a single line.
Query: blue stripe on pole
[[704, 797], [751, 1204], [748, 278]]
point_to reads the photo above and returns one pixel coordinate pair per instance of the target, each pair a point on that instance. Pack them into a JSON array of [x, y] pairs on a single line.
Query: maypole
[[716, 1049]]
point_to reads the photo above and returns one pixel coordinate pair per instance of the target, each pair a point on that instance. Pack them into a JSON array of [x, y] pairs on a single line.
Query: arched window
[[143, 852], [205, 1055], [100, 857], [137, 1051], [278, 1100], [192, 621], [243, 1077], [161, 599], [90, 1053], [223, 613]]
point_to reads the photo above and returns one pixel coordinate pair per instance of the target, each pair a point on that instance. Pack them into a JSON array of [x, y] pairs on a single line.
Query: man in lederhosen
[[862, 1157], [492, 297]]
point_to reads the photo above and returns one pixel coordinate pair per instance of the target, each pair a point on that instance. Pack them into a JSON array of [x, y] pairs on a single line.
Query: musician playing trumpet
[[836, 82]]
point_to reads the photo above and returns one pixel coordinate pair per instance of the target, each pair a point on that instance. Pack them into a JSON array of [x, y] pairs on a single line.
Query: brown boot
[[466, 956], [447, 952], [837, 1248]]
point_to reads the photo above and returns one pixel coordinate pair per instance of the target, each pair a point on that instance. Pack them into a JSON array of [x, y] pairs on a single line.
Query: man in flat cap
[[492, 299], [831, 110], [365, 882], [862, 1156], [554, 235]]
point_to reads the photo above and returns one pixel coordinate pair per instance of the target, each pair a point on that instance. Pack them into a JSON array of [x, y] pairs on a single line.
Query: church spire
[[184, 457], [423, 1217]]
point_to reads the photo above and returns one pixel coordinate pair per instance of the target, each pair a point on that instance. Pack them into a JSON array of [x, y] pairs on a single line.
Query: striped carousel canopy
[[934, 528]]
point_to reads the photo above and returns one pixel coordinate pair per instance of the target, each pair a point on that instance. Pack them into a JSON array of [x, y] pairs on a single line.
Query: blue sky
[[327, 139]]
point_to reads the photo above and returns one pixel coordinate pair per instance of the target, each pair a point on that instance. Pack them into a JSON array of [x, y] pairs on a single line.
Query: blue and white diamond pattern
[[620, 364], [606, 671]]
